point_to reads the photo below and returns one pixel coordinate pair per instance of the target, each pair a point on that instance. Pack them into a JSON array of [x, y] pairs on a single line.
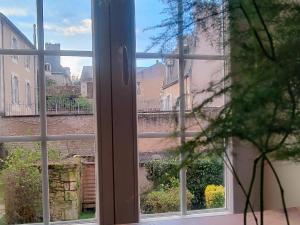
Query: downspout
[[2, 69], [35, 73]]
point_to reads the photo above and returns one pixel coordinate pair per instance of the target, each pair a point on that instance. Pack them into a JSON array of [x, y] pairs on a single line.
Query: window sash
[[44, 137]]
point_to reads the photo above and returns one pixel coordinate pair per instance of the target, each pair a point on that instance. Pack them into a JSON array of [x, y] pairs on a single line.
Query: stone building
[[61, 76], [149, 81], [18, 74], [198, 74], [86, 82]]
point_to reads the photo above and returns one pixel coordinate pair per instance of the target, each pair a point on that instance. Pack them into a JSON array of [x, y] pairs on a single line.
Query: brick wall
[[85, 124]]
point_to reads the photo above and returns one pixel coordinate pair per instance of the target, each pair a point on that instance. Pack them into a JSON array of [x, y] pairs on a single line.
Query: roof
[[16, 30], [148, 71], [87, 73]]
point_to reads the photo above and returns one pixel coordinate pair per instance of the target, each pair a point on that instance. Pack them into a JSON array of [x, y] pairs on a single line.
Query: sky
[[68, 22]]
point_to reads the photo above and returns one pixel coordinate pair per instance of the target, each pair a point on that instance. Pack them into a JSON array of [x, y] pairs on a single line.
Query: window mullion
[[43, 119], [183, 198]]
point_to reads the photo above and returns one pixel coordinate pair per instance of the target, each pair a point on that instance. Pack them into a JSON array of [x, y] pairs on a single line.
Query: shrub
[[163, 201], [214, 196], [200, 173], [22, 184]]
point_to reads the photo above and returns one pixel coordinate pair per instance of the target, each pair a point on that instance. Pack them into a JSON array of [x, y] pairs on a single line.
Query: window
[[15, 90], [138, 88], [189, 67], [14, 45], [47, 67], [27, 62], [171, 73], [28, 94], [115, 90]]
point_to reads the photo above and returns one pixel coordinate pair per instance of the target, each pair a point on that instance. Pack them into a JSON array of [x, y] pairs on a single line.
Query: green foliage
[[50, 82], [68, 103], [83, 103], [21, 177], [161, 201], [200, 173], [214, 196], [87, 215]]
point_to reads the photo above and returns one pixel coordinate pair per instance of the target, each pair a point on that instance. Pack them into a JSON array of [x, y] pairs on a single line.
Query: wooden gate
[[88, 186]]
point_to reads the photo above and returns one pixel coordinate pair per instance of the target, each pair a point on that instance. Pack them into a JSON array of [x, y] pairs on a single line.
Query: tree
[[263, 84]]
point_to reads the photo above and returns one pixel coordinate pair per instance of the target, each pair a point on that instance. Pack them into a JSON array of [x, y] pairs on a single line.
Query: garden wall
[[65, 190]]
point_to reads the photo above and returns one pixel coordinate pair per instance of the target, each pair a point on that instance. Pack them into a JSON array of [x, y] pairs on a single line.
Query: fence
[[53, 107], [77, 106]]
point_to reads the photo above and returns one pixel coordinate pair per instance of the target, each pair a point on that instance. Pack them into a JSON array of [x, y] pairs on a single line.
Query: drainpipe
[[2, 70], [35, 73]]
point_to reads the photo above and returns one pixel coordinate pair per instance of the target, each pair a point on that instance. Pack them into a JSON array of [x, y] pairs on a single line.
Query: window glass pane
[[20, 183], [154, 77], [70, 95], [157, 112], [19, 106], [72, 184], [158, 176], [205, 176], [205, 180], [146, 20], [200, 75], [17, 24], [68, 23]]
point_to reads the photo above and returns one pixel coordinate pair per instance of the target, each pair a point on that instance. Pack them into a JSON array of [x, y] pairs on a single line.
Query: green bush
[[200, 173], [214, 196], [22, 185], [163, 201]]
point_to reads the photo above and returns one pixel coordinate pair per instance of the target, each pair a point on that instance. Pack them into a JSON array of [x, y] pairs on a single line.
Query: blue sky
[[68, 22]]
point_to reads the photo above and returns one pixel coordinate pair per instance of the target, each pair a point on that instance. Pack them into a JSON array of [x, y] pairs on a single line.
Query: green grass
[[2, 221], [1, 192], [87, 215]]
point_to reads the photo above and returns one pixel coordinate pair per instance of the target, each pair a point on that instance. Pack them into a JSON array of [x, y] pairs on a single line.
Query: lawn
[[87, 215]]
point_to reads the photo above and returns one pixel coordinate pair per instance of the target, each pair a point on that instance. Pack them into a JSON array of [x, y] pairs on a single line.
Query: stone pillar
[[65, 193]]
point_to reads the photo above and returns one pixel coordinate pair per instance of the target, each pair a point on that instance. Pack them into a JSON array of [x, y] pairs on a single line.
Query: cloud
[[83, 28], [14, 11], [75, 64]]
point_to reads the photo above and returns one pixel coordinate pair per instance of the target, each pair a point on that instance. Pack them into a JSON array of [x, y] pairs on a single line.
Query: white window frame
[[43, 138]]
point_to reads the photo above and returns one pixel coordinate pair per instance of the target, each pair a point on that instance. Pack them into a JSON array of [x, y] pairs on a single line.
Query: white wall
[[289, 174]]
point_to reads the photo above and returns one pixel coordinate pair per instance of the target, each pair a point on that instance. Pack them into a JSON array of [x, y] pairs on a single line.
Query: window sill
[[274, 217]]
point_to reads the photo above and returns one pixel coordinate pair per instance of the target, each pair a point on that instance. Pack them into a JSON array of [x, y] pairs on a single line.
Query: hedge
[[162, 201], [214, 196], [200, 173]]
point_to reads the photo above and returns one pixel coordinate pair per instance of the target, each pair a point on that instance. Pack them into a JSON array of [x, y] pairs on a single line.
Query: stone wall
[[65, 190]]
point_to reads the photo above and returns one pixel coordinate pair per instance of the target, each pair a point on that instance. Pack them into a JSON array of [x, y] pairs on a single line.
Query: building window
[[138, 88], [171, 74], [27, 62], [166, 103], [15, 90], [47, 67], [14, 45], [28, 94]]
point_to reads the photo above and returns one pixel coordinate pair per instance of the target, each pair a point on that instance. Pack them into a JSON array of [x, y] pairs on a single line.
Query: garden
[[205, 185]]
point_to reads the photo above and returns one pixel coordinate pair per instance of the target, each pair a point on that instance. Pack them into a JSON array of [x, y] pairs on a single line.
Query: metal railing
[[69, 106], [53, 107]]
